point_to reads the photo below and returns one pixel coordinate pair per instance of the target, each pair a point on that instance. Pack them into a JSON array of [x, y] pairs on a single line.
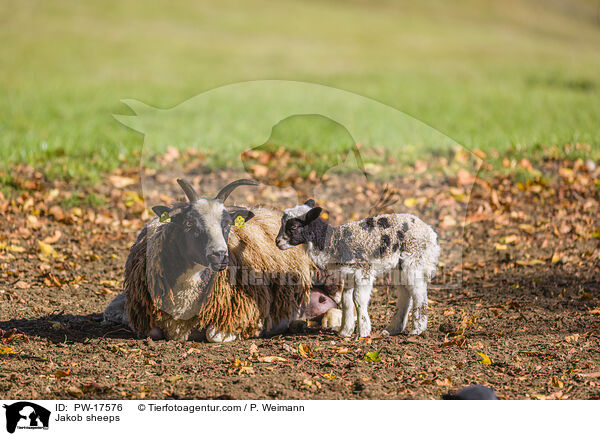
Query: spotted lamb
[[362, 250]]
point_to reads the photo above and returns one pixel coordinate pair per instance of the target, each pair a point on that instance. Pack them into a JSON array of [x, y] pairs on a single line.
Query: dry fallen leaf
[[60, 373], [75, 391], [253, 349], [305, 351], [54, 238], [174, 378], [22, 285], [271, 359], [571, 339], [485, 359], [47, 250]]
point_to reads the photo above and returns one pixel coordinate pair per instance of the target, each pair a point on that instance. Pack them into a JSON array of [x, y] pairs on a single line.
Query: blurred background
[[513, 77]]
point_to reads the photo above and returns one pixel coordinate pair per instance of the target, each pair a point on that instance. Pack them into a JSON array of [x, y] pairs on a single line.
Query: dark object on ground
[[474, 392]]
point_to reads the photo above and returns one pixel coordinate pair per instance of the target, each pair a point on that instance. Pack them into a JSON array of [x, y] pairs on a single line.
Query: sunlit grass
[[505, 77]]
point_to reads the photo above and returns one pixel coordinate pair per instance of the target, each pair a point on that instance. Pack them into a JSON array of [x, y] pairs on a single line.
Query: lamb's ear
[[236, 211], [312, 215], [310, 203]]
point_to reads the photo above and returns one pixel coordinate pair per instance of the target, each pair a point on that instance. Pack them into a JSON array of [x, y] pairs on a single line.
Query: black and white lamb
[[362, 250]]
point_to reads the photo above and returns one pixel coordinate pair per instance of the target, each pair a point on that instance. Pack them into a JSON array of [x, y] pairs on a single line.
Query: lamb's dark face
[[203, 230], [294, 224]]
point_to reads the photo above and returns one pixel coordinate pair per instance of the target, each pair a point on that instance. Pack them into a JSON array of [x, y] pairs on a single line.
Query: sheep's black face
[[295, 223], [204, 227]]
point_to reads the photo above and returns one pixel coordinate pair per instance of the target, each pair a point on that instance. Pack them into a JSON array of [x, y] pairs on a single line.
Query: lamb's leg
[[348, 316], [362, 295], [332, 319], [400, 319], [419, 296]]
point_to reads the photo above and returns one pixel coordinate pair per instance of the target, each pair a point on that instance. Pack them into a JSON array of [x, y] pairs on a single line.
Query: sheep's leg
[[348, 316], [400, 319], [419, 296], [156, 334], [115, 311], [362, 295], [214, 335]]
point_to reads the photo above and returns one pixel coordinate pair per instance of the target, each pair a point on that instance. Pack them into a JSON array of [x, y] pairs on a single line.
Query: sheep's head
[[294, 223], [203, 224]]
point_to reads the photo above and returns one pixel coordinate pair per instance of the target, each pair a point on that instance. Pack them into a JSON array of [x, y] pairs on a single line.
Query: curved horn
[[224, 193], [190, 192]]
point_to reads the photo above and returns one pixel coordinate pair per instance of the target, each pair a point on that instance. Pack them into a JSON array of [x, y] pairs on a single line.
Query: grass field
[[508, 76]]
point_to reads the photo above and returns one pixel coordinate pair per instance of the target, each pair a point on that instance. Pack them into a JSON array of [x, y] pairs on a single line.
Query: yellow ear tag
[[240, 222], [164, 217]]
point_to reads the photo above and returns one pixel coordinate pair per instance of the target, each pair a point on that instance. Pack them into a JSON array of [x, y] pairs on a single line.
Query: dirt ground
[[525, 319]]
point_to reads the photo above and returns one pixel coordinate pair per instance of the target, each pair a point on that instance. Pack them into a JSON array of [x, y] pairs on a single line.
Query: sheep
[[362, 250], [200, 264]]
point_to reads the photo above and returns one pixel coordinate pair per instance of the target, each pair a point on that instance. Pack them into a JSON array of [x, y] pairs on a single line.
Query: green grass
[[505, 77]]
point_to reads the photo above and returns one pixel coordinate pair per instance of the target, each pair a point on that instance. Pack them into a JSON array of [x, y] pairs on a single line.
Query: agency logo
[[26, 415]]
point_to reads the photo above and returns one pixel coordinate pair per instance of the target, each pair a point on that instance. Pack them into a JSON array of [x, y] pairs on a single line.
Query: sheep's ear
[[237, 212], [312, 215], [310, 203], [162, 212]]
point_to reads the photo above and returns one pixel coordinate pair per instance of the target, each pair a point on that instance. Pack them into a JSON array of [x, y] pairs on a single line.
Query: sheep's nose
[[218, 258]]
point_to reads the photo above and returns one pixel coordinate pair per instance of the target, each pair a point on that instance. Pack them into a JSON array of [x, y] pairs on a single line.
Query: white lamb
[[362, 250]]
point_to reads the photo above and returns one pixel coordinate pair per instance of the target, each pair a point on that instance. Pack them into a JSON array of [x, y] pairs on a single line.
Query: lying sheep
[[201, 264], [363, 250]]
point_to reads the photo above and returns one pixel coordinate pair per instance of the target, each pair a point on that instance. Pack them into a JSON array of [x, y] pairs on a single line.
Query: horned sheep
[[193, 268], [362, 250]]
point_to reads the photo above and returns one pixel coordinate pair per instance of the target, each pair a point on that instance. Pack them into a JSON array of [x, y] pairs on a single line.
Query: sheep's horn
[[224, 193], [190, 192]]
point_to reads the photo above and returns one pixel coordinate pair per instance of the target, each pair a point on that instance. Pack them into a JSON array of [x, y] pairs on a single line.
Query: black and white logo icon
[[26, 415]]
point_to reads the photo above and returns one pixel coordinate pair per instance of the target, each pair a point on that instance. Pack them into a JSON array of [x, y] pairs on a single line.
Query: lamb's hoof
[[332, 319], [364, 334], [390, 331], [416, 332], [345, 333]]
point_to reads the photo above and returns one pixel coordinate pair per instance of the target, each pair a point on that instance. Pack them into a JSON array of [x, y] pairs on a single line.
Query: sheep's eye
[[189, 224]]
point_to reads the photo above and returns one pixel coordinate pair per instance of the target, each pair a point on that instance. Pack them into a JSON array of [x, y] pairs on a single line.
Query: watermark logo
[[353, 155], [25, 415]]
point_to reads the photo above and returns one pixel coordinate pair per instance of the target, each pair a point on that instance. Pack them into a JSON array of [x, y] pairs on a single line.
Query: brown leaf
[[75, 391], [305, 351], [22, 285], [60, 373], [54, 238], [174, 378]]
